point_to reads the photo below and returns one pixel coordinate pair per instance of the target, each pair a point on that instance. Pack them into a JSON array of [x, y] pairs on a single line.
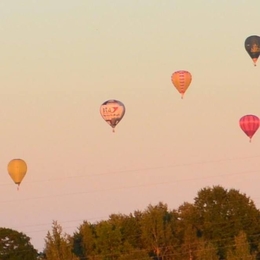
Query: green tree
[[121, 222], [108, 240], [15, 245], [157, 231], [187, 231], [58, 246], [132, 231], [221, 214], [130, 228], [241, 249], [205, 251], [84, 241]]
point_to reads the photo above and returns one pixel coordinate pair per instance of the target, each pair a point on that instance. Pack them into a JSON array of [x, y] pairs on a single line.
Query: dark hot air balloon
[[252, 46]]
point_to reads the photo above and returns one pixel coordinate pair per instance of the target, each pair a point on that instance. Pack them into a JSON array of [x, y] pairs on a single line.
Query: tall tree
[[187, 231], [241, 249], [157, 231], [205, 251], [222, 214], [15, 245], [108, 240], [58, 245], [132, 229], [84, 241]]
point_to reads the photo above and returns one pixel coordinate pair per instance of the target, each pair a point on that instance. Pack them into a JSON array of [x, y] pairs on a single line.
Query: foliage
[[222, 214], [205, 251], [15, 245], [58, 246], [84, 241], [221, 224], [241, 250], [157, 230]]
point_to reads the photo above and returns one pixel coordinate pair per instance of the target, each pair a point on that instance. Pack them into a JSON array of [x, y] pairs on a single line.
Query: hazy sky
[[60, 60]]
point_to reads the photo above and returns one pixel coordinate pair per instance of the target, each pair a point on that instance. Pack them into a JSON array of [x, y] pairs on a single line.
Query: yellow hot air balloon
[[17, 169], [181, 80]]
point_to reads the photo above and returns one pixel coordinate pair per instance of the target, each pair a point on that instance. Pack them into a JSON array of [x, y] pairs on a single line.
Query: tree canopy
[[15, 245], [220, 224]]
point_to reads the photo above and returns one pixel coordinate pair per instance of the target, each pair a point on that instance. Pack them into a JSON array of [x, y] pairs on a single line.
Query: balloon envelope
[[181, 80], [252, 46], [112, 112], [17, 169], [249, 125]]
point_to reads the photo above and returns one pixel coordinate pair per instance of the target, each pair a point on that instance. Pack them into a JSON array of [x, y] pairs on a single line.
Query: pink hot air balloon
[[249, 124]]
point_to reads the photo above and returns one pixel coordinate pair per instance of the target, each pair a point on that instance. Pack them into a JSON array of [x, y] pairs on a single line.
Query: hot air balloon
[[252, 46], [181, 80], [17, 169], [249, 124], [112, 112]]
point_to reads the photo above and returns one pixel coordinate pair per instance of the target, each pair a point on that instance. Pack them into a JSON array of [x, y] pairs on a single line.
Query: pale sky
[[60, 60]]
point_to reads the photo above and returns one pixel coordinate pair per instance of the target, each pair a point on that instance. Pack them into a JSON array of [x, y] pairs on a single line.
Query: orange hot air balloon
[[112, 112], [249, 125], [181, 80], [252, 46], [17, 169]]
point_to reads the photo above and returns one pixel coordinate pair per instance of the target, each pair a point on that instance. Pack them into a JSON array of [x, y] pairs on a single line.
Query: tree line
[[220, 224]]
